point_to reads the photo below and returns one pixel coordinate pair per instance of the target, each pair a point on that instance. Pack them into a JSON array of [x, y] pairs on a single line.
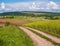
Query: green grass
[[29, 18], [13, 36], [49, 26]]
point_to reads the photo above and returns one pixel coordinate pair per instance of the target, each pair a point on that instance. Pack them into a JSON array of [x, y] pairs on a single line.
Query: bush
[[7, 23]]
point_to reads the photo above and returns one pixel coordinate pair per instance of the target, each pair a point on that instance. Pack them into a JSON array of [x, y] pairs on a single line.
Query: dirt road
[[38, 41], [47, 35]]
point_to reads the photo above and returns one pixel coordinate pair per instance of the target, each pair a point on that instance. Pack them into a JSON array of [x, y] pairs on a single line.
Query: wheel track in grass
[[55, 39], [38, 41]]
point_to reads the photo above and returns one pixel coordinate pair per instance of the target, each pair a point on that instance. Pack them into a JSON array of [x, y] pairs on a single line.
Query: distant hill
[[28, 13]]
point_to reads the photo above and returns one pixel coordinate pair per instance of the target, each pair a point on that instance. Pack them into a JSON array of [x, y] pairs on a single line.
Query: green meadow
[[13, 36]]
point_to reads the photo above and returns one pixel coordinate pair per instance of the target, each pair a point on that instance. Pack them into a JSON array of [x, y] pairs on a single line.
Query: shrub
[[7, 23]]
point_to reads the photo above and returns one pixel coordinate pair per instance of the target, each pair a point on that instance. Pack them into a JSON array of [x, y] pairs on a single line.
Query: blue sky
[[13, 1], [30, 5]]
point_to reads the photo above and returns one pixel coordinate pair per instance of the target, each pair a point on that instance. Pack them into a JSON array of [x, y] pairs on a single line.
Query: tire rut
[[38, 41], [55, 39]]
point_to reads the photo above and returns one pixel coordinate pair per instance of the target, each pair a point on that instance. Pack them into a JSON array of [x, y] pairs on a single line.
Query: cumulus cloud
[[52, 5], [34, 6], [30, 6], [19, 6], [2, 5]]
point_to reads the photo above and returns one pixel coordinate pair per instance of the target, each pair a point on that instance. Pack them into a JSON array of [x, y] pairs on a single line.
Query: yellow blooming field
[[49, 26]]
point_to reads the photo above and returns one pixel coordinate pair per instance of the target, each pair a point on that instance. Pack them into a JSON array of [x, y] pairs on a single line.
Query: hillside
[[29, 13]]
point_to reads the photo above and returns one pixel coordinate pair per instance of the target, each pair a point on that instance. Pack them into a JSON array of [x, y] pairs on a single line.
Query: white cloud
[[2, 5], [29, 6], [52, 5], [42, 8], [34, 6], [19, 6]]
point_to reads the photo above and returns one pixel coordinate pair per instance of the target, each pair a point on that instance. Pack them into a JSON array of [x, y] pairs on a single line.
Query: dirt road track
[[38, 41], [47, 35]]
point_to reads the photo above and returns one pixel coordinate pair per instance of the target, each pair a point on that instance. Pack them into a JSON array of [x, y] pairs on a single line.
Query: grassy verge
[[13, 36], [56, 44]]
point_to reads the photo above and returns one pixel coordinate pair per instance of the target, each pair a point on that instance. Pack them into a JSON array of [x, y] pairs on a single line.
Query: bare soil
[[12, 21]]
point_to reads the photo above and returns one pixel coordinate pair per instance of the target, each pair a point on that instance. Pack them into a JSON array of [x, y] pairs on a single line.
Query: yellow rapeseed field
[[49, 26]]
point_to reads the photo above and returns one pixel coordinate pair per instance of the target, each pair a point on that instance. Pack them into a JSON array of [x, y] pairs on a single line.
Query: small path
[[47, 35], [38, 41]]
